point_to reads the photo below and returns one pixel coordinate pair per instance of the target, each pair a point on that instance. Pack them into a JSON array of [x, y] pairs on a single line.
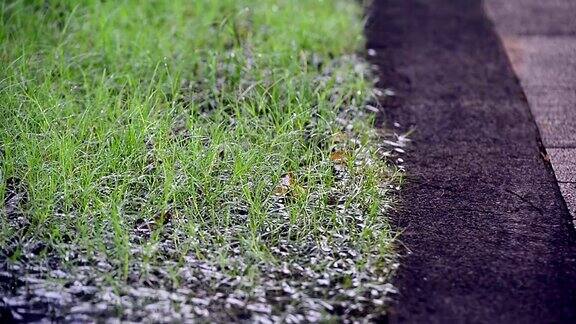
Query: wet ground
[[303, 280], [488, 235]]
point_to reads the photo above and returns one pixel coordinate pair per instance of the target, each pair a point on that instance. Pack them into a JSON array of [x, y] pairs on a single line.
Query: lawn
[[191, 160]]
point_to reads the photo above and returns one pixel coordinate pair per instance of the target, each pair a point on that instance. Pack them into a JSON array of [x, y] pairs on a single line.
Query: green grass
[[129, 124]]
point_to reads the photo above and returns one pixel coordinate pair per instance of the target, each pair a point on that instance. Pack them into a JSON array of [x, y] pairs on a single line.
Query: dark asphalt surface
[[489, 234], [540, 40]]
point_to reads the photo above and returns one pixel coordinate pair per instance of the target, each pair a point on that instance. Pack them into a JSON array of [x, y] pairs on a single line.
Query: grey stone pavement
[[539, 37]]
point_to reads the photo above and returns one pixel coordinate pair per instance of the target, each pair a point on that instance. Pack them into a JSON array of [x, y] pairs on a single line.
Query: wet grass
[[178, 146]]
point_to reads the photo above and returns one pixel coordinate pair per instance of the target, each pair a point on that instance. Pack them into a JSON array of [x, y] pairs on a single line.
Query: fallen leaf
[[286, 183], [339, 156]]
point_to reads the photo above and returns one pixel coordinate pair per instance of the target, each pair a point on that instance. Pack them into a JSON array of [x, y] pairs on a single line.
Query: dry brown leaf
[[339, 157], [286, 183]]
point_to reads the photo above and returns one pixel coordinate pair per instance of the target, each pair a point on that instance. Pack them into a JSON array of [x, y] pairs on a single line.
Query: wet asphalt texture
[[488, 237], [540, 39]]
